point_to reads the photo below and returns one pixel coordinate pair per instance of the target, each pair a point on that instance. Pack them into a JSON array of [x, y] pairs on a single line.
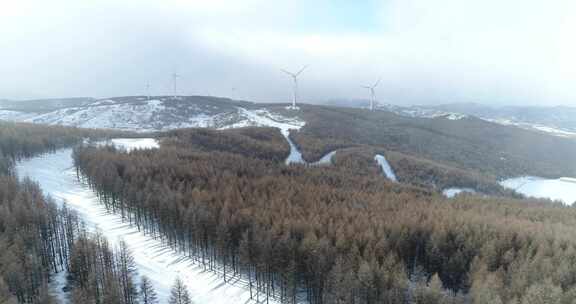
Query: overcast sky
[[492, 51]]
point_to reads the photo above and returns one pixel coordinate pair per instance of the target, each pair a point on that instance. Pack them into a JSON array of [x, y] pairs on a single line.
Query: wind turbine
[[148, 91], [175, 77], [295, 88], [372, 94]]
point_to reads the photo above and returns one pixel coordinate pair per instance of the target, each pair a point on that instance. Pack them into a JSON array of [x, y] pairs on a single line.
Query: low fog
[[515, 52]]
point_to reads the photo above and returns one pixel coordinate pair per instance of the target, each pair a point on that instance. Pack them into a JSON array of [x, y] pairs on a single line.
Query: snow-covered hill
[[421, 112], [557, 121], [156, 114]]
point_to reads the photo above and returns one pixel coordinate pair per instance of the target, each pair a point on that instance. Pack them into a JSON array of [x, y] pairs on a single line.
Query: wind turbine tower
[[295, 85], [372, 94], [148, 91], [175, 77]]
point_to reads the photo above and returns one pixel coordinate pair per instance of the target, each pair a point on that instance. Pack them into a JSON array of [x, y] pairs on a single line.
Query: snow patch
[[532, 126], [326, 159], [130, 144], [386, 168], [295, 157], [562, 189], [452, 192], [57, 284], [264, 118]]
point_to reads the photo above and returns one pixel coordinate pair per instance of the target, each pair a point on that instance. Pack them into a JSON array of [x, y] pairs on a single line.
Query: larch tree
[[147, 293], [179, 294]]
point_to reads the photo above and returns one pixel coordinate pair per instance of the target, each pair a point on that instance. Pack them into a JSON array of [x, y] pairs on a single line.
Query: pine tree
[[147, 293], [179, 294]]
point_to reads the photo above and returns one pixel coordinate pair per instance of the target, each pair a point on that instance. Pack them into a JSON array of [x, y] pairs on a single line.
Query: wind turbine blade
[[366, 87], [301, 70], [377, 82], [291, 74]]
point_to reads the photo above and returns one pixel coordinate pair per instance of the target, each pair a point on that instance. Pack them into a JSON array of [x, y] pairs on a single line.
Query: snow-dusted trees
[[147, 294], [103, 274], [36, 236], [179, 294], [126, 272]]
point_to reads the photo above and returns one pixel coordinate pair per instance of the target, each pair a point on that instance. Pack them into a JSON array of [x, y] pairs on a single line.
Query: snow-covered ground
[[295, 157], [130, 144], [326, 159], [57, 177], [562, 189], [534, 126], [386, 168], [452, 192], [422, 112], [160, 114], [263, 118], [58, 281]]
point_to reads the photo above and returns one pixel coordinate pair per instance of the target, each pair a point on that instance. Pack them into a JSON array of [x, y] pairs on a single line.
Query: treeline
[[419, 172], [332, 236], [22, 140], [263, 143], [37, 238]]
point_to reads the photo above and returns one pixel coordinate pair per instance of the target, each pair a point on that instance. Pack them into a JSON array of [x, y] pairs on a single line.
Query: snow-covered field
[[562, 189], [386, 168], [57, 177]]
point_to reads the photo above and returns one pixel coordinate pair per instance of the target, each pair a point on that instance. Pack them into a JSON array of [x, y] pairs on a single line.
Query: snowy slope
[[422, 112], [159, 114]]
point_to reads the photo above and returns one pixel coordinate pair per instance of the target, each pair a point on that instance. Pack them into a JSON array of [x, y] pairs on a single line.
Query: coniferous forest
[[333, 234], [39, 239]]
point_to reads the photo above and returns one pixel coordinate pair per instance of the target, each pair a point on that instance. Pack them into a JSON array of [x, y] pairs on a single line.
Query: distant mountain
[[561, 118], [558, 121], [138, 113], [43, 105]]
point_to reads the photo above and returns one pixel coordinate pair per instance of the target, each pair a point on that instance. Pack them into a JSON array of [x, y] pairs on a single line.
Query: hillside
[[137, 113], [461, 142], [468, 143], [561, 118]]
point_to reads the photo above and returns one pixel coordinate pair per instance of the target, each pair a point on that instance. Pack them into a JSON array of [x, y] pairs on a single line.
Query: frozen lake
[[56, 176], [562, 189]]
